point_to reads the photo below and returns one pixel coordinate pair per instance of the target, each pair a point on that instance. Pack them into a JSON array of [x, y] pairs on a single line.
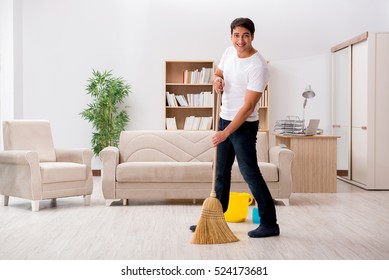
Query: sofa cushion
[[54, 172], [182, 172], [269, 172], [164, 172]]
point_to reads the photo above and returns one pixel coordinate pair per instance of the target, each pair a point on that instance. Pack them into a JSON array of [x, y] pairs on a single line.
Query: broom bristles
[[212, 227]]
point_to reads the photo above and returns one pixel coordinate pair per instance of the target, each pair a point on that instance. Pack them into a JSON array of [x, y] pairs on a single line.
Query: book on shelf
[[197, 76], [208, 99], [263, 102], [171, 100], [188, 124], [182, 100], [206, 75], [202, 99], [171, 123], [198, 123], [205, 123]]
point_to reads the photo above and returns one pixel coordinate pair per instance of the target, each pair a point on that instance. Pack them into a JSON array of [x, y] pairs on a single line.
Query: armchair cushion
[[54, 172]]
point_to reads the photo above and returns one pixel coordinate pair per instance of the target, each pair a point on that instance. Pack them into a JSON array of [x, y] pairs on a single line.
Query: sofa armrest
[[20, 174], [282, 158], [110, 159]]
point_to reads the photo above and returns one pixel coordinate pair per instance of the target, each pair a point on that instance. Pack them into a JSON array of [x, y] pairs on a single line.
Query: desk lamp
[[308, 93]]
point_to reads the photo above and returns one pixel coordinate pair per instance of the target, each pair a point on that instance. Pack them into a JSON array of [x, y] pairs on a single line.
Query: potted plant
[[107, 119]]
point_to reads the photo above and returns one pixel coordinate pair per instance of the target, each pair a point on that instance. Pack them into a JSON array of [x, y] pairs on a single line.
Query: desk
[[314, 163]]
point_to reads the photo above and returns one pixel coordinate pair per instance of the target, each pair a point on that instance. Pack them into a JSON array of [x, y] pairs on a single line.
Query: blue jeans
[[242, 144]]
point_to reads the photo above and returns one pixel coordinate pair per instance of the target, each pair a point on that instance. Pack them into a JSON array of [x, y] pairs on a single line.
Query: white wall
[[6, 63], [289, 80], [61, 41]]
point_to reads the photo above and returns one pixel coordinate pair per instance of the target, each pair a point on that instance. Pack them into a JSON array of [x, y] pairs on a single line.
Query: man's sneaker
[[192, 228], [263, 231]]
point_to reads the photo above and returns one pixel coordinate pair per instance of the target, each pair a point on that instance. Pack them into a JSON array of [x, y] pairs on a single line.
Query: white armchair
[[31, 168]]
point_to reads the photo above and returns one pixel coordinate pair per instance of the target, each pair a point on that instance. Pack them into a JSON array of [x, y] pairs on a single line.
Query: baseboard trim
[[343, 173], [96, 172]]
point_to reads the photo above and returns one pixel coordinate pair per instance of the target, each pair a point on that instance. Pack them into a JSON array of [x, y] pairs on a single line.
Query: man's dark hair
[[243, 22]]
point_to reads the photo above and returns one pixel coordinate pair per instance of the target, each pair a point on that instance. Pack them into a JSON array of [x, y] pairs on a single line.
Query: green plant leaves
[[103, 113]]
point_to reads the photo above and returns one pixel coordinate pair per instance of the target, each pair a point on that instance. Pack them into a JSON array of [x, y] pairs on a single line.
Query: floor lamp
[[308, 93]]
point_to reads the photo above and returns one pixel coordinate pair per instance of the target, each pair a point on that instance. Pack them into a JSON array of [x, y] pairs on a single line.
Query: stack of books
[[202, 76], [191, 123], [198, 123], [202, 99]]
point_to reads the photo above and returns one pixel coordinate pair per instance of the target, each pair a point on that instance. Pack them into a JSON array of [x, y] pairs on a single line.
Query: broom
[[212, 227]]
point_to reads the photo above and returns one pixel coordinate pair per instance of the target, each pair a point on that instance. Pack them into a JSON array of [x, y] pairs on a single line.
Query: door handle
[[364, 127]]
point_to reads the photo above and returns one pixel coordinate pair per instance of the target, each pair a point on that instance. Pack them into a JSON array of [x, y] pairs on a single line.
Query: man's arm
[[251, 99], [218, 81]]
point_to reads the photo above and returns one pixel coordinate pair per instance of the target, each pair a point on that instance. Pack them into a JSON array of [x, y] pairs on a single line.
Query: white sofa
[[165, 164]]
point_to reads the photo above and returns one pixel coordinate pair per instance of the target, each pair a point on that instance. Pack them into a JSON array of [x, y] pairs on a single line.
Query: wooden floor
[[351, 224]]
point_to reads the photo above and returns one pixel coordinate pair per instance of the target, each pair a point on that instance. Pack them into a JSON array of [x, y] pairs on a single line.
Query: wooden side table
[[314, 163]]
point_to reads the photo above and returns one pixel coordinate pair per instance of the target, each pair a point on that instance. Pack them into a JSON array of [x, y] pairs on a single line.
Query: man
[[242, 75]]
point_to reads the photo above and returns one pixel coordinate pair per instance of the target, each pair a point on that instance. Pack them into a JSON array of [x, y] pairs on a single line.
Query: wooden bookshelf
[[180, 80], [263, 111]]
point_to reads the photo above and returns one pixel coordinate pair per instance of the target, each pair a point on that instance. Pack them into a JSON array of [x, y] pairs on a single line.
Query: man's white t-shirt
[[241, 74]]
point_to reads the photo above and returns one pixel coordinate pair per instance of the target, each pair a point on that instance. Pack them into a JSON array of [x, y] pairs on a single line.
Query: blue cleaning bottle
[[256, 219]]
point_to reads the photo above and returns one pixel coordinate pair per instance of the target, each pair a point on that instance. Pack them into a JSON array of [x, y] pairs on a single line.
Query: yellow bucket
[[238, 207]]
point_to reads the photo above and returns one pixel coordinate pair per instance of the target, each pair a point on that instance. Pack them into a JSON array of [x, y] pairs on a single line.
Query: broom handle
[[218, 104]]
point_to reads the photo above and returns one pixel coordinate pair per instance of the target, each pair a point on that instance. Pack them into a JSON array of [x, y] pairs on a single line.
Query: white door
[[381, 113], [359, 106], [341, 114]]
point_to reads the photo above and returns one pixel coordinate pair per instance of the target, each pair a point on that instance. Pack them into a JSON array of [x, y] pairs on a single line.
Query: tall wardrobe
[[360, 109]]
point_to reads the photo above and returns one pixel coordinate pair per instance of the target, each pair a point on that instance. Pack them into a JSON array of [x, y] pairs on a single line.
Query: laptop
[[310, 130], [312, 127]]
